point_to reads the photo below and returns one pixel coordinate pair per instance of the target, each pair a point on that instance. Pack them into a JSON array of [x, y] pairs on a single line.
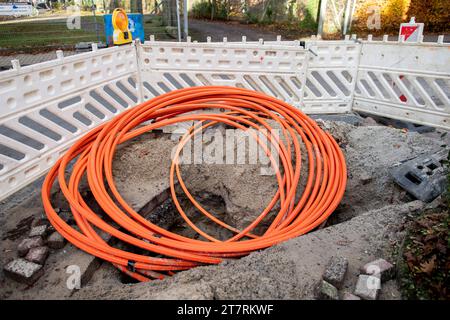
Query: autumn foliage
[[434, 13]]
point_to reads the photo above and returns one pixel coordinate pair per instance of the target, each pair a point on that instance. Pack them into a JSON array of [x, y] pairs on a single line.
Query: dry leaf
[[428, 266]]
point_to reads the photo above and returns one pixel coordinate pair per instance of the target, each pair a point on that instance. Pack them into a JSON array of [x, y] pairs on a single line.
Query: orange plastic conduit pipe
[[244, 109]]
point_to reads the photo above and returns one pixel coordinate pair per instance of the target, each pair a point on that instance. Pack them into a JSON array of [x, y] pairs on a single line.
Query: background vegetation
[[303, 14]]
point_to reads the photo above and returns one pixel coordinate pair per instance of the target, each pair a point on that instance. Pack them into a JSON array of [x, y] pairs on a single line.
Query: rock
[[56, 241], [38, 231], [29, 243], [349, 296], [368, 287], [23, 271], [40, 222], [369, 121], [335, 271], [37, 255], [365, 178], [379, 268], [327, 291]]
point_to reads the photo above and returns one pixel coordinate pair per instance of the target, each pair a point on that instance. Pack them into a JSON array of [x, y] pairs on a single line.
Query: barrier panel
[[331, 75], [47, 106], [405, 81], [275, 69]]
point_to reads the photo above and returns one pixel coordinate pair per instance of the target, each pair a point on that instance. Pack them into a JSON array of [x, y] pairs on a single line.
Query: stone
[[379, 268], [369, 121], [23, 271], [327, 291], [56, 241], [335, 271], [365, 178], [368, 287], [29, 243], [349, 296], [38, 231], [37, 255], [40, 221]]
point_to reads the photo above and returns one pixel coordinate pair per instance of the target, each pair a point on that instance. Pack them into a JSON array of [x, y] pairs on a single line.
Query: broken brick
[[23, 271], [379, 268], [335, 271], [327, 291], [56, 240], [29, 243], [368, 287], [349, 296], [38, 231], [37, 255]]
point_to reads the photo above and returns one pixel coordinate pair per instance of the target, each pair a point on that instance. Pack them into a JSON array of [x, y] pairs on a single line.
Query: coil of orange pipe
[[170, 252]]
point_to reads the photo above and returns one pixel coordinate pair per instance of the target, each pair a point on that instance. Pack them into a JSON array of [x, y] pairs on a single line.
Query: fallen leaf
[[428, 266]]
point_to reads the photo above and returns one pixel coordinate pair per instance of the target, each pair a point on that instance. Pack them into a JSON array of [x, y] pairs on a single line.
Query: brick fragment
[[56, 241], [37, 255], [349, 296], [368, 287], [29, 243], [23, 271], [327, 291], [379, 268], [335, 271], [38, 231]]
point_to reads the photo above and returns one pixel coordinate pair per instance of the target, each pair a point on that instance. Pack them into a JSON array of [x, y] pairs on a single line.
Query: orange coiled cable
[[244, 109]]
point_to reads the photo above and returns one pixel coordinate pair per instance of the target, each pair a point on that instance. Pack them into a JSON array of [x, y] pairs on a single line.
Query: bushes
[[308, 15], [201, 10], [298, 13], [204, 9], [392, 13], [434, 13]]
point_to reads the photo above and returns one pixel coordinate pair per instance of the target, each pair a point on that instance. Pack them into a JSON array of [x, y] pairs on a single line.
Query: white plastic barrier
[[47, 106], [406, 81], [276, 69], [331, 76], [318, 79]]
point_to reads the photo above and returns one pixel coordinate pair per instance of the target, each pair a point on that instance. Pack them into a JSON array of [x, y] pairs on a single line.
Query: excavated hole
[[205, 182]]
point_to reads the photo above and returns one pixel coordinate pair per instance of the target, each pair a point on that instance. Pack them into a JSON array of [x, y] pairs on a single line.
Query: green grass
[[40, 35], [154, 26], [31, 34]]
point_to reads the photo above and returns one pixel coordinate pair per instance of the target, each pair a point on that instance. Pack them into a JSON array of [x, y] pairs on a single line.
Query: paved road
[[200, 29], [27, 59]]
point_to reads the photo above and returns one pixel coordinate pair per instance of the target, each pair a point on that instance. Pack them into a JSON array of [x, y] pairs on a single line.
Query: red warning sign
[[408, 31], [412, 31]]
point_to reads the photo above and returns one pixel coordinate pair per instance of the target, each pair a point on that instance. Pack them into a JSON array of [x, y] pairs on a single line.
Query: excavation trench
[[140, 165], [326, 181]]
